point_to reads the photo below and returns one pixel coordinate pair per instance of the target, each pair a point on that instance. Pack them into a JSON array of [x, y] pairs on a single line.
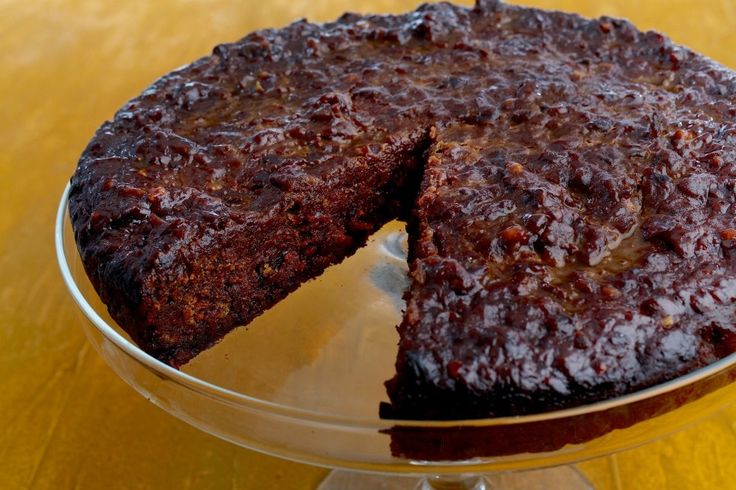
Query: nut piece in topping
[[610, 292], [668, 321], [515, 168], [513, 235]]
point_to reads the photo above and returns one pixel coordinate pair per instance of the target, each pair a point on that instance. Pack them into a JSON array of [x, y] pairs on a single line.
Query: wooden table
[[66, 421]]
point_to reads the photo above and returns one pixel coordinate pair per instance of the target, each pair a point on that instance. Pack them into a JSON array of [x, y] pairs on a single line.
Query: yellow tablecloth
[[66, 421]]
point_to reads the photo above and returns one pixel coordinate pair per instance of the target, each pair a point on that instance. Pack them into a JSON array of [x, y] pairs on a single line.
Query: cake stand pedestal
[[562, 477]]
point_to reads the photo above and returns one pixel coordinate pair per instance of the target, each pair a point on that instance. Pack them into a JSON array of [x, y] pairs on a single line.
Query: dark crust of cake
[[572, 239]]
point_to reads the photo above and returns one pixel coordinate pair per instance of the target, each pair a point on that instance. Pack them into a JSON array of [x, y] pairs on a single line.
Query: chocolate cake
[[568, 185]]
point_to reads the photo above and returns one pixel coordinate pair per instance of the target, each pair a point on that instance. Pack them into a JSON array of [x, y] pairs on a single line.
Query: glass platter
[[304, 382]]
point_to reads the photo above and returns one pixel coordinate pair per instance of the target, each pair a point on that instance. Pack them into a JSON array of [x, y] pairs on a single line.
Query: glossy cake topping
[[568, 183]]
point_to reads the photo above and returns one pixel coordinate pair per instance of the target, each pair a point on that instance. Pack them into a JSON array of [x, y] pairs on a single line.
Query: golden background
[[66, 421]]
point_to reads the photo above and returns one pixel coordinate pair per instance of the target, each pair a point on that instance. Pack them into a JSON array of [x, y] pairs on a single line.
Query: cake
[[568, 186]]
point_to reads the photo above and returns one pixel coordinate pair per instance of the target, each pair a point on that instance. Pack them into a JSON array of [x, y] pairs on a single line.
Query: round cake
[[568, 186]]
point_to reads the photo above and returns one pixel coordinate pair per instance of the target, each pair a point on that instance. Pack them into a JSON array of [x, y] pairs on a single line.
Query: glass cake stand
[[304, 382]]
